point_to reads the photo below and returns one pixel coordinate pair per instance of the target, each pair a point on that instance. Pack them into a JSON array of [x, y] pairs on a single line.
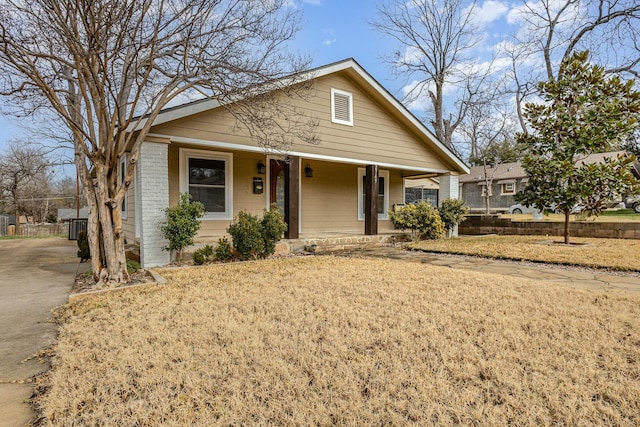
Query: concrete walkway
[[35, 276], [582, 278]]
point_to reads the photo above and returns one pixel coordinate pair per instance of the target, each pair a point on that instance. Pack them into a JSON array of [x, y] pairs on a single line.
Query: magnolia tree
[[584, 112], [107, 68]]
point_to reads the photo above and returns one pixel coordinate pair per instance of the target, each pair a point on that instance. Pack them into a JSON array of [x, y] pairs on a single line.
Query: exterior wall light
[[262, 169], [308, 172]]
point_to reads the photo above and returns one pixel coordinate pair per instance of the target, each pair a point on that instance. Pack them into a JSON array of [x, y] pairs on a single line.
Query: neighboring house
[[367, 139], [508, 179]]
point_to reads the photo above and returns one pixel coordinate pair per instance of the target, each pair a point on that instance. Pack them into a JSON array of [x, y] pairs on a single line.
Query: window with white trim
[[207, 177], [122, 174], [383, 194], [508, 188], [341, 107]]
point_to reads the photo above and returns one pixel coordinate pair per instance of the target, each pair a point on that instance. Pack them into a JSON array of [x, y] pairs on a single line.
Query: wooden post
[[371, 184], [292, 189]]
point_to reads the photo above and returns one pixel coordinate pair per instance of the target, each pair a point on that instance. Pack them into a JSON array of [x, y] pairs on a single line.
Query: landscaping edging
[[494, 224]]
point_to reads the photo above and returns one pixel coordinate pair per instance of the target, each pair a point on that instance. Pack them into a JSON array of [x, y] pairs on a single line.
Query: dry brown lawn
[[618, 254], [336, 341]]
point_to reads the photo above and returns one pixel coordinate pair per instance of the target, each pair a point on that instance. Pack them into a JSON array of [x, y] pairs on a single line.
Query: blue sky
[[333, 30]]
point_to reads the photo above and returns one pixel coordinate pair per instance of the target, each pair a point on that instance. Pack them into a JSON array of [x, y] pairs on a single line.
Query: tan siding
[[330, 198], [244, 169], [376, 136]]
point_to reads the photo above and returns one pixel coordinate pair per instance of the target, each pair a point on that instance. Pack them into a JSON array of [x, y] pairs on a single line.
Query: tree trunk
[[110, 219], [487, 205], [108, 260], [567, 216]]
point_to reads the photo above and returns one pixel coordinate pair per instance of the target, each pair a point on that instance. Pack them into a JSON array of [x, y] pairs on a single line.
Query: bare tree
[[24, 181], [489, 128], [436, 39], [107, 68], [552, 30]]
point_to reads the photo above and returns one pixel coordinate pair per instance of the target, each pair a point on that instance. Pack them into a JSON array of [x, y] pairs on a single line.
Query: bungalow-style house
[[506, 180], [368, 139]]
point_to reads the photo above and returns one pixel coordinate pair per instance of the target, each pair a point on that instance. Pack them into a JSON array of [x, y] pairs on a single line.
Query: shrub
[[272, 227], [223, 250], [202, 255], [132, 266], [182, 224], [452, 212], [83, 246], [420, 218], [245, 232], [254, 238]]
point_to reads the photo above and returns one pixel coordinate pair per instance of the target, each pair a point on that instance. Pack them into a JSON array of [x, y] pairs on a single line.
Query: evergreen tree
[[583, 112]]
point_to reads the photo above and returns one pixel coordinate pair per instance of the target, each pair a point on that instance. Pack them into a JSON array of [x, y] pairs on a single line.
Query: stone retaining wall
[[493, 224]]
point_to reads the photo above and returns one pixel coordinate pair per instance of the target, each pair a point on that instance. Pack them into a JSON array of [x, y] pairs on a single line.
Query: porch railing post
[[371, 201], [292, 188]]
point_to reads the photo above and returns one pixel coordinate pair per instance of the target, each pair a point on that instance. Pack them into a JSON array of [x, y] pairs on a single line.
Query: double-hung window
[[508, 188], [206, 176]]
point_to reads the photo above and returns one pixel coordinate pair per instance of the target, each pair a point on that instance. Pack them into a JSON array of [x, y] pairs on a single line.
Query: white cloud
[[329, 37], [488, 12]]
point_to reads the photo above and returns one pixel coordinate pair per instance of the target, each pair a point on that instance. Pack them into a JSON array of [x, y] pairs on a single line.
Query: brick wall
[[493, 224], [153, 180]]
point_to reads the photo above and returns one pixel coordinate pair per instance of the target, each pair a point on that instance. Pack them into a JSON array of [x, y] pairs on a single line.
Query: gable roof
[[505, 171], [502, 171], [358, 73]]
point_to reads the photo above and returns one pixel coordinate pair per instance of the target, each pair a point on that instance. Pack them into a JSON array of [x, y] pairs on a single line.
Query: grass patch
[[337, 341], [627, 214], [617, 254], [39, 236]]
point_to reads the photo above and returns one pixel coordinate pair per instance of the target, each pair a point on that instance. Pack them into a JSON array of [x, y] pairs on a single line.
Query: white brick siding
[[449, 189], [153, 197]]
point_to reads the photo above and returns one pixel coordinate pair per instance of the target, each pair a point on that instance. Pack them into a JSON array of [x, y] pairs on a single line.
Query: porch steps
[[327, 244]]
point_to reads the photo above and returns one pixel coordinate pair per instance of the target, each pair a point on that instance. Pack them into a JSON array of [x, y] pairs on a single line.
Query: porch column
[[371, 201], [292, 208], [153, 196], [449, 189]]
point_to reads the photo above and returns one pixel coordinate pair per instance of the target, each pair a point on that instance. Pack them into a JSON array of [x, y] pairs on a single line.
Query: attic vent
[[341, 107]]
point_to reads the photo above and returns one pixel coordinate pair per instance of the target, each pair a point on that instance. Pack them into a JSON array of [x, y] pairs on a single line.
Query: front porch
[[325, 242]]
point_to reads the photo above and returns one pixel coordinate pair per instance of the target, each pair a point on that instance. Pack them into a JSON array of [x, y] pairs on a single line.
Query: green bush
[[452, 213], [422, 219], [132, 266], [182, 224], [245, 232], [223, 250], [272, 227], [202, 255], [83, 246], [254, 238]]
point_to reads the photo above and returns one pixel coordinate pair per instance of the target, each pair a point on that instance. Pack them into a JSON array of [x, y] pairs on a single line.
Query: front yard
[[616, 254], [336, 341]]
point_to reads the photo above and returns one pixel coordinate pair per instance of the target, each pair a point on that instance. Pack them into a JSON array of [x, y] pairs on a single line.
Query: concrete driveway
[[36, 275]]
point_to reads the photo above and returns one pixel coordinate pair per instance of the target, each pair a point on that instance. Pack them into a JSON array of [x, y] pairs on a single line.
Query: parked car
[[633, 203], [520, 208]]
